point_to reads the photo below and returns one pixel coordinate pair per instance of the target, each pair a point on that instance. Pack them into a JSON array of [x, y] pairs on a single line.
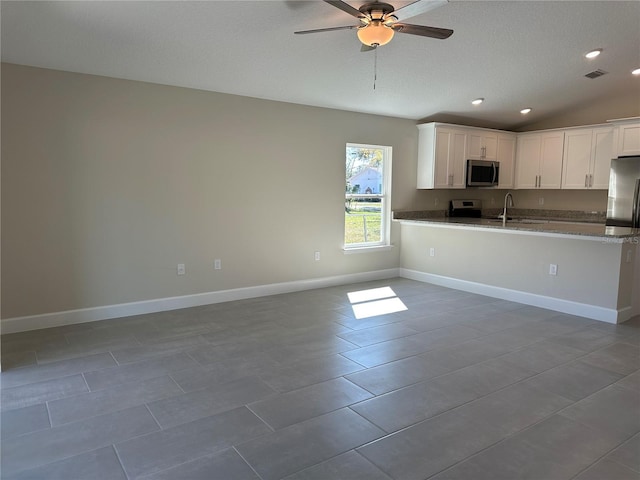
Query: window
[[367, 200]]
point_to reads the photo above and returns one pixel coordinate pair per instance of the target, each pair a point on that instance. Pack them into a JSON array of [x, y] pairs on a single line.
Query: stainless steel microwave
[[482, 173]]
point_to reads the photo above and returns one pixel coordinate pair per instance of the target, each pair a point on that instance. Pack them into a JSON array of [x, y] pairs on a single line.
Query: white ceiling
[[513, 53]]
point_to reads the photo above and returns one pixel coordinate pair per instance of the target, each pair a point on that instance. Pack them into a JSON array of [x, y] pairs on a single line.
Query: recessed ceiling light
[[477, 101], [593, 53], [524, 111], [635, 72]]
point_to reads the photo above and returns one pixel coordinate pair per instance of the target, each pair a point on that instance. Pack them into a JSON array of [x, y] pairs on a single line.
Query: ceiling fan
[[379, 21]]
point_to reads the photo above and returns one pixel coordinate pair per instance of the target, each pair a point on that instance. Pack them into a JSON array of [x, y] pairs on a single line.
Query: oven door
[[482, 173]]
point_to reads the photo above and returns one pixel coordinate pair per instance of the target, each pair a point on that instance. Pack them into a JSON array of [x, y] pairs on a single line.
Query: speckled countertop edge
[[558, 225]]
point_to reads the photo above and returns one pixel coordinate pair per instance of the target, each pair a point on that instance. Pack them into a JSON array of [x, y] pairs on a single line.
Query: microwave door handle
[[495, 172]]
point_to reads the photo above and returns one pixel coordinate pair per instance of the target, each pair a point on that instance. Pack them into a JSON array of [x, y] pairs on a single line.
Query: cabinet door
[[551, 160], [602, 152], [528, 161], [576, 162], [442, 152], [482, 145], [490, 141], [628, 140], [506, 155], [458, 159]]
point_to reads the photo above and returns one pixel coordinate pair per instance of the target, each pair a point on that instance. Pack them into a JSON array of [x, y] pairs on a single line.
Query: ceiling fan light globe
[[375, 34]]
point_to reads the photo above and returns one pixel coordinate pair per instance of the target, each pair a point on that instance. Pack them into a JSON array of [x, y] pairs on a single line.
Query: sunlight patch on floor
[[375, 301]]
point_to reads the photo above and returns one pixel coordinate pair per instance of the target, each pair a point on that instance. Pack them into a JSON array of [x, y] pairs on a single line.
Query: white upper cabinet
[[626, 137], [482, 145], [442, 156], [506, 156], [539, 160], [587, 158]]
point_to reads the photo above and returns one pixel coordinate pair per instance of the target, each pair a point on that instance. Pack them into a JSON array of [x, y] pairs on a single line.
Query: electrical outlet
[[553, 269], [217, 264], [493, 201], [316, 256], [541, 201], [432, 252], [181, 269], [436, 202], [629, 252]]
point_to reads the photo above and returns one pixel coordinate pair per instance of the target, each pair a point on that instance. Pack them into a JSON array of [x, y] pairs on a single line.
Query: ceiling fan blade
[[432, 32], [330, 29], [416, 8], [345, 7]]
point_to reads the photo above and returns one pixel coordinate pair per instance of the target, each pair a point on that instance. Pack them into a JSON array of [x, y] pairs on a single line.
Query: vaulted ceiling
[[515, 54]]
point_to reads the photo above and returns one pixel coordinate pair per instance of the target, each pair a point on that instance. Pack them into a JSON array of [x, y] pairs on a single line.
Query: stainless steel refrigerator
[[623, 208]]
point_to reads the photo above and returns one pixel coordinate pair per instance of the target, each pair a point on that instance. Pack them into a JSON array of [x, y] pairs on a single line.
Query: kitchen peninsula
[[580, 268]]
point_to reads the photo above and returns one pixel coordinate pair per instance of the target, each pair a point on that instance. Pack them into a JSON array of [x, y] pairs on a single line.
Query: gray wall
[[108, 184]]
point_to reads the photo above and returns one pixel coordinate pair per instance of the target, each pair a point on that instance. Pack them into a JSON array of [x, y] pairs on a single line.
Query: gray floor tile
[[225, 465], [613, 409], [609, 470], [34, 393], [575, 380], [543, 355], [407, 406], [169, 448], [369, 336], [139, 353], [31, 341], [424, 449], [482, 372], [101, 464], [77, 350], [111, 377], [86, 405], [619, 357], [39, 373], [631, 382], [18, 359], [308, 402], [628, 454], [513, 408], [465, 354], [348, 466], [587, 339], [24, 420], [47, 446], [555, 449], [389, 351], [307, 372], [394, 375], [190, 406], [302, 445]]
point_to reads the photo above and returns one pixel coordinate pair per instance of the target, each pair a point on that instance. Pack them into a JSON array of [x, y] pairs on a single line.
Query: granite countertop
[[550, 224]]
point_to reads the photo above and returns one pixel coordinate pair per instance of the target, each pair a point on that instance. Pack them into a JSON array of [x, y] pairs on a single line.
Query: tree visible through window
[[367, 189]]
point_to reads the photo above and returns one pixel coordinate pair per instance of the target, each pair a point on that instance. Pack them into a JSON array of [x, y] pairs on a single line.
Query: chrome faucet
[[508, 202]]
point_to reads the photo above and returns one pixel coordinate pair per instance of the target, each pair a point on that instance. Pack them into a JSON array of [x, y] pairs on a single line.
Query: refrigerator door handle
[[635, 215]]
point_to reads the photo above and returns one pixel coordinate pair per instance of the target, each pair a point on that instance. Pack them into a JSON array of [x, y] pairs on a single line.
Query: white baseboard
[[594, 312], [56, 319]]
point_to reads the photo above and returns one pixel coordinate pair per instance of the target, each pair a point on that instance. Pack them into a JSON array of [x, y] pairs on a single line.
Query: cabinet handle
[[586, 180], [539, 181], [590, 180]]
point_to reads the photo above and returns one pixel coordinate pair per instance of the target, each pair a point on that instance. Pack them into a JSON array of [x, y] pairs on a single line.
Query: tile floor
[[458, 386]]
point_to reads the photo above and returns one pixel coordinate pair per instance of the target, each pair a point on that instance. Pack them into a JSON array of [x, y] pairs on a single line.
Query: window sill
[[367, 249]]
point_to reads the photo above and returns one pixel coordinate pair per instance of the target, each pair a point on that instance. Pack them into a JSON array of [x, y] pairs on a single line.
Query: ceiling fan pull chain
[[375, 68]]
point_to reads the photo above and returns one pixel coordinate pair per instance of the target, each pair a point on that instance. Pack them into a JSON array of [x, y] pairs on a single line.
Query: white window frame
[[385, 220]]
